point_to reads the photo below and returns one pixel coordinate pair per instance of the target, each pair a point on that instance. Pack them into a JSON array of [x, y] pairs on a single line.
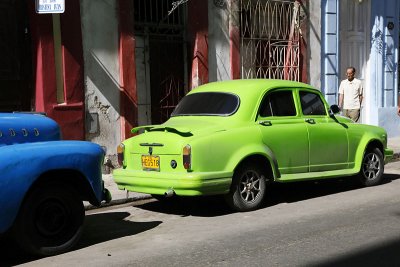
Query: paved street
[[334, 223]]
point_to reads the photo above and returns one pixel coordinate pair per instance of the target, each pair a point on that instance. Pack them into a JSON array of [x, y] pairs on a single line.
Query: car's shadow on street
[[209, 206], [103, 227], [98, 228], [298, 191], [11, 255], [277, 193]]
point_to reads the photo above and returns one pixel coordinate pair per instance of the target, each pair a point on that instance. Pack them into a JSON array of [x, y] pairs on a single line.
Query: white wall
[[219, 46], [383, 66], [101, 72]]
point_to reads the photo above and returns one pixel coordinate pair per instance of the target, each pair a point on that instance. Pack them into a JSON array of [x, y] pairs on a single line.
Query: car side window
[[311, 104], [279, 103]]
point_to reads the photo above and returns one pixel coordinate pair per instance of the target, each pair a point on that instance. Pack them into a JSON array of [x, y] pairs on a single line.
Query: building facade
[[143, 56], [41, 66], [363, 34], [104, 67]]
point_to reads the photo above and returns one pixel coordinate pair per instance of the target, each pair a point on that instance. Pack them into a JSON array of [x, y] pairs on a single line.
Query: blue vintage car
[[43, 182]]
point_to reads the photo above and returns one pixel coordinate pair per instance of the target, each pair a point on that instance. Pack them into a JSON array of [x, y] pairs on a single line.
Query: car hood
[[18, 128]]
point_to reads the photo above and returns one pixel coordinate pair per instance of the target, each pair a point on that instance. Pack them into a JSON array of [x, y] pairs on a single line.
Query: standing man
[[351, 95]]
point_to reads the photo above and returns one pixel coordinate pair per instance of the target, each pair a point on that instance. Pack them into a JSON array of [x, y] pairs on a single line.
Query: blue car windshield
[[207, 104]]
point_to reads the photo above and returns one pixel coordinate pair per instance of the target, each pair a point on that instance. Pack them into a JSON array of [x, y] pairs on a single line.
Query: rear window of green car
[[207, 104]]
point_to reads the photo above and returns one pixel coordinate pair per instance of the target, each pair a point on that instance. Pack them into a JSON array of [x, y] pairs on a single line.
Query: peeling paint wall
[[101, 74]]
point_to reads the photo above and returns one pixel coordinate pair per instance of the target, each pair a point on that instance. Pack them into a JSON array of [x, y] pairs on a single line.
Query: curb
[[396, 157], [115, 202]]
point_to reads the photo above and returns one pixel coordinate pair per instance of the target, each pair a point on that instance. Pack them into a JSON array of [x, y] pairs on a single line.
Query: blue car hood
[[18, 128]]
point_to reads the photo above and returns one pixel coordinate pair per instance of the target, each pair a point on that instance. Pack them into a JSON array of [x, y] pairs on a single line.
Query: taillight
[[187, 157], [120, 153]]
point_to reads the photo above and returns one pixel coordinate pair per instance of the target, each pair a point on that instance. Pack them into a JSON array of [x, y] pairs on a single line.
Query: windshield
[[208, 104]]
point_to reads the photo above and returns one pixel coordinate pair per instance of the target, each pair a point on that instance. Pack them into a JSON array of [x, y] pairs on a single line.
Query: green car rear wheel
[[248, 188]]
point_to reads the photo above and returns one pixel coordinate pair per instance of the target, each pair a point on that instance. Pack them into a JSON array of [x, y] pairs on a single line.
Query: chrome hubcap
[[250, 186], [371, 166]]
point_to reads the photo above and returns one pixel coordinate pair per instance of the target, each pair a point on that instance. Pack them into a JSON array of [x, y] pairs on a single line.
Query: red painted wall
[[69, 115], [303, 44], [198, 39], [128, 94], [234, 36]]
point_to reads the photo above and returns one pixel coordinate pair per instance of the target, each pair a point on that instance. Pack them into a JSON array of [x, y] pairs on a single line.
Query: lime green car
[[234, 138]]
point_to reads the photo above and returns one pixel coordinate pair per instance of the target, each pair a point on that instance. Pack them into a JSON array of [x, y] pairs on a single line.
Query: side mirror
[[334, 109]]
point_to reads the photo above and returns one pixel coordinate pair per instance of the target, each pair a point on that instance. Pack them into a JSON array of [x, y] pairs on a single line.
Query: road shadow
[[383, 254], [104, 227], [98, 228], [277, 193], [10, 253], [204, 206]]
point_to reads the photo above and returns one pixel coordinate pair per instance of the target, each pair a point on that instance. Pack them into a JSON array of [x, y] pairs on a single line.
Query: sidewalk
[[121, 196], [118, 196], [394, 144]]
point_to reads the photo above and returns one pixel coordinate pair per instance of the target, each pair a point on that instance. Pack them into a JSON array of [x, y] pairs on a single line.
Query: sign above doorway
[[50, 6]]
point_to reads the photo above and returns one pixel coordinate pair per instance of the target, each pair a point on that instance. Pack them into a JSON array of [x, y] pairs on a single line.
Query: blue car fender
[[22, 165]]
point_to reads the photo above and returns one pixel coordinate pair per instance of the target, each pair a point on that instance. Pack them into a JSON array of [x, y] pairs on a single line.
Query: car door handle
[[265, 123], [310, 121]]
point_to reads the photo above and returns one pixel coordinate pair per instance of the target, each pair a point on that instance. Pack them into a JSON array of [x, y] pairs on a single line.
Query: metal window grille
[[270, 46], [153, 15]]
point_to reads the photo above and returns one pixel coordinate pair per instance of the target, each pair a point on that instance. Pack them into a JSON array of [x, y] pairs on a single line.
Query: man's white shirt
[[351, 91]]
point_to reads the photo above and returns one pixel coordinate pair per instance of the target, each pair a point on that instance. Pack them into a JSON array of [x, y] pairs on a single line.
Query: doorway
[[354, 39], [160, 55], [15, 57], [354, 36]]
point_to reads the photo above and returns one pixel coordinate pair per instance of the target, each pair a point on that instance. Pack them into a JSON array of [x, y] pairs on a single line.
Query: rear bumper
[[388, 155], [183, 183]]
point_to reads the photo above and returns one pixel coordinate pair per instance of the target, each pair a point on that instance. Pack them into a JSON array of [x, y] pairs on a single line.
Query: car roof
[[250, 92], [249, 86]]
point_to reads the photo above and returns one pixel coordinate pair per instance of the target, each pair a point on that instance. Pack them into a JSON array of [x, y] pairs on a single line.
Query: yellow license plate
[[151, 163]]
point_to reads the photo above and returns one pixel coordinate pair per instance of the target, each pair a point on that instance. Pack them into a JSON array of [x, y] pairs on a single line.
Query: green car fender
[[251, 152], [366, 140], [248, 146], [222, 155]]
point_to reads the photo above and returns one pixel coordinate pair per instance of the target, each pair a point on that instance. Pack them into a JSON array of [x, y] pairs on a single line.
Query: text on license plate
[[150, 162]]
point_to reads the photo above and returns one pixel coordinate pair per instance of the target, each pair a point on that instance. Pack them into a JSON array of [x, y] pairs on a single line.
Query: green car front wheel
[[372, 168]]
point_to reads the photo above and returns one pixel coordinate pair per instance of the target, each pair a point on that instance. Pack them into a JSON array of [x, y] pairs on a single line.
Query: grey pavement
[[122, 196]]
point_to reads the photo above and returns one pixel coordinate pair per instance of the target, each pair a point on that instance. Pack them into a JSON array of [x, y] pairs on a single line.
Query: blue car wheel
[[50, 220]]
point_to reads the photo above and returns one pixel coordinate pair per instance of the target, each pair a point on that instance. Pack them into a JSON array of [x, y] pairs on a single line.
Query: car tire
[[50, 220], [248, 188], [372, 168]]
